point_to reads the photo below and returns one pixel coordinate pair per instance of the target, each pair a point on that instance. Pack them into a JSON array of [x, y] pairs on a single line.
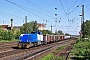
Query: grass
[[48, 57], [60, 48], [59, 58], [14, 40]]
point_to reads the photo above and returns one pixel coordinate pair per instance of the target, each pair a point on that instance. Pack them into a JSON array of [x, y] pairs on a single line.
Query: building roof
[[41, 25], [4, 26]]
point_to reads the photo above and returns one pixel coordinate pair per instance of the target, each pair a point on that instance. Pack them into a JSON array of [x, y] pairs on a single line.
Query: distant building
[[17, 27], [41, 26], [6, 27]]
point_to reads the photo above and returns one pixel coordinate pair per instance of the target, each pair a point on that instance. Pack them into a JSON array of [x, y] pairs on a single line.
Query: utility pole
[[26, 24], [81, 28], [83, 21], [51, 27]]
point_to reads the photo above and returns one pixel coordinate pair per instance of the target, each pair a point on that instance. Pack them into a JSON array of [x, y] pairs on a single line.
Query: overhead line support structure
[[83, 27], [26, 24]]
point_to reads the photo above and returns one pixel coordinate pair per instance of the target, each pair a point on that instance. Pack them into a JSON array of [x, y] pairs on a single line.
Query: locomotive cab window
[[33, 32]]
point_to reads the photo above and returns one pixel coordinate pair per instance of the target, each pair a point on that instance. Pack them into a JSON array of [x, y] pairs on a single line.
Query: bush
[[17, 34], [82, 49], [6, 35]]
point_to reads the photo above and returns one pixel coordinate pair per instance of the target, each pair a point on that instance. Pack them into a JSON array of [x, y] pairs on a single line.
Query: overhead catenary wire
[[36, 11], [72, 5], [66, 15], [85, 8], [42, 9], [76, 7], [38, 6], [64, 10], [24, 9], [12, 15], [66, 4], [63, 7], [88, 8], [69, 10], [4, 22], [17, 17]]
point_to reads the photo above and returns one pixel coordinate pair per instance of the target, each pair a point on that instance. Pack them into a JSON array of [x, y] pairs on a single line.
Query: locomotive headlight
[[27, 40], [21, 34]]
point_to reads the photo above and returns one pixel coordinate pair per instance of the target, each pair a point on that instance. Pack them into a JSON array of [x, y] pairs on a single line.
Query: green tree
[[67, 34], [59, 32], [46, 32], [35, 27], [29, 27], [22, 30], [86, 28]]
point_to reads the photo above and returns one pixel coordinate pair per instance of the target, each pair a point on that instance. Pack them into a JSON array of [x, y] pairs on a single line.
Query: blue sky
[[68, 19]]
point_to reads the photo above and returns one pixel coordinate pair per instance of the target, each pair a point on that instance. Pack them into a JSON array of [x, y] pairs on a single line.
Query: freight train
[[37, 38]]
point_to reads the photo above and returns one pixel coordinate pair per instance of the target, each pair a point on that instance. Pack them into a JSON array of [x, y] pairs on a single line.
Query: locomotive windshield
[[36, 32], [33, 32]]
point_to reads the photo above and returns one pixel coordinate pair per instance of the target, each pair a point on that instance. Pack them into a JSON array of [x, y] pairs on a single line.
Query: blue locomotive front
[[29, 40]]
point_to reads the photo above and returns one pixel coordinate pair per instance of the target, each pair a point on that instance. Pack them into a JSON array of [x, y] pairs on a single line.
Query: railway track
[[65, 52], [7, 46], [3, 45], [18, 54], [33, 54]]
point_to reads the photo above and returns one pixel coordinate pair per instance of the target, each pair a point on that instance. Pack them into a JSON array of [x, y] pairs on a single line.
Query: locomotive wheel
[[28, 45], [19, 45]]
